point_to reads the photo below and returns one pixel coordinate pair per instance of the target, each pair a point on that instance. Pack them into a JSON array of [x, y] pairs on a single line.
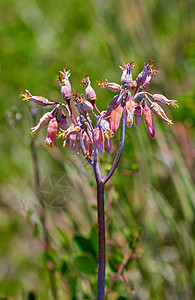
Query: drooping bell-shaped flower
[[42, 122], [99, 139], [88, 140], [107, 143], [149, 121], [115, 118], [52, 132], [63, 120], [129, 111], [138, 114]]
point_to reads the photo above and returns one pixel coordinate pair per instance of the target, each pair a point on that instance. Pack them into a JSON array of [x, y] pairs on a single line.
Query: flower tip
[[170, 123], [24, 96], [174, 103]]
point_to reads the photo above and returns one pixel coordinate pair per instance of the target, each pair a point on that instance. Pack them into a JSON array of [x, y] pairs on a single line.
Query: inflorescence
[[131, 101]]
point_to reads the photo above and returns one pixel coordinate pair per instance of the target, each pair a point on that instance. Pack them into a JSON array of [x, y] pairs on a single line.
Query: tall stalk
[[100, 210]]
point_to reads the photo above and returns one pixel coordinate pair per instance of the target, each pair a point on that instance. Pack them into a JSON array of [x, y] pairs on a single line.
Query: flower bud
[[90, 93], [43, 122], [149, 121], [65, 85], [104, 125], [142, 76], [114, 102], [151, 74], [83, 105], [115, 118], [99, 139], [126, 77], [52, 131], [162, 99], [159, 112]]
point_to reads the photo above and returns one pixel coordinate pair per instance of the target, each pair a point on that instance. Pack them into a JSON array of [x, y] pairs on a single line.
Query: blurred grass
[[154, 184]]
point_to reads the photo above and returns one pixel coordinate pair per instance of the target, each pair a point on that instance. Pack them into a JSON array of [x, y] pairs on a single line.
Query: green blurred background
[[153, 187]]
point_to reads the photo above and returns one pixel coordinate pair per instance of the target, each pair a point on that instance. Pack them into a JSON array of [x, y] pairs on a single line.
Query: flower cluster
[[131, 101]]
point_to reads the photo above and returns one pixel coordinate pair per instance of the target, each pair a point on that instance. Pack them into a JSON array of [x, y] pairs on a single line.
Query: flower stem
[[102, 244], [101, 229]]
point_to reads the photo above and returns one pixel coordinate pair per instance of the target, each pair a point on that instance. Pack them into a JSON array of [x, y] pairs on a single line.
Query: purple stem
[[102, 242], [101, 229], [120, 149]]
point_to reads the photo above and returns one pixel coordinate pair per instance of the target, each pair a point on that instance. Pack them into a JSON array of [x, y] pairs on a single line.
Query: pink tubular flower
[[112, 86], [99, 139], [129, 112], [149, 121], [159, 112], [107, 143], [42, 101], [52, 131], [138, 114], [162, 99], [115, 118], [43, 122], [88, 139], [108, 133]]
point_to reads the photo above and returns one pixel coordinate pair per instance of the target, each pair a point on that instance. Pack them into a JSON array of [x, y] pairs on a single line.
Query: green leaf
[[85, 263], [84, 244]]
